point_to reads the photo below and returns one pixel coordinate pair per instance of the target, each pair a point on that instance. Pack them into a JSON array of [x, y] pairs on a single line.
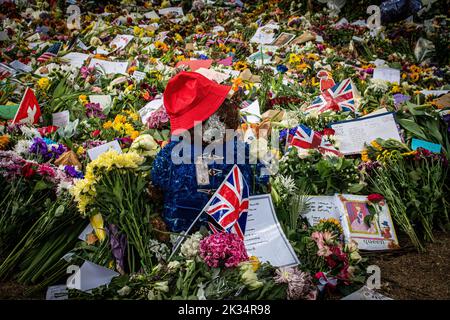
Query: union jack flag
[[340, 97], [50, 53], [306, 138], [228, 207]]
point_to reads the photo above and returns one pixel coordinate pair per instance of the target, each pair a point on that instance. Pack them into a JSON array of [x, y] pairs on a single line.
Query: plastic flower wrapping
[[87, 166]]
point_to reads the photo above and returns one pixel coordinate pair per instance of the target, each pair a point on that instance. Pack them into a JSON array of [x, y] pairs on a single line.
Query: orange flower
[[237, 83], [4, 141]]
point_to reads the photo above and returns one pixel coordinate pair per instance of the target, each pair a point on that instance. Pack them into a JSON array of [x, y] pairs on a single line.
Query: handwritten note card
[[353, 134], [61, 119], [320, 207], [264, 237], [110, 67]]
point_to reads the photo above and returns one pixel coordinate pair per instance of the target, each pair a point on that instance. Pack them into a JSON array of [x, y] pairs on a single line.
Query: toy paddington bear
[[190, 168]]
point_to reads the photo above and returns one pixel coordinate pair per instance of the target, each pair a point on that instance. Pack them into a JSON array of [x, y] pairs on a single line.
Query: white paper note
[[121, 41], [320, 207], [94, 153], [76, 59], [252, 112], [110, 67], [264, 237], [104, 100], [61, 119], [139, 75], [353, 134], [92, 275], [387, 74], [58, 292], [213, 75], [265, 34], [151, 15], [17, 65]]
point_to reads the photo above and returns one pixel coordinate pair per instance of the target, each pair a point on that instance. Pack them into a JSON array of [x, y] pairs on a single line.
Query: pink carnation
[[223, 249]]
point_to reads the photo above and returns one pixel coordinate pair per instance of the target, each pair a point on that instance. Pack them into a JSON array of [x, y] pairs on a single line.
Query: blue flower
[[282, 68]]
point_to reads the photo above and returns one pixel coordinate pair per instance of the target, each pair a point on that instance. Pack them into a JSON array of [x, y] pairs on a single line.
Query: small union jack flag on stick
[[306, 138], [228, 207], [50, 53], [340, 97]]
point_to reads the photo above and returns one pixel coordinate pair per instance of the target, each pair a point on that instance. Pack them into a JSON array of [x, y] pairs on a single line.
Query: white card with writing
[[121, 41], [76, 59], [139, 75], [265, 34], [151, 15], [110, 67], [436, 93], [320, 207], [387, 74], [264, 237], [94, 153], [353, 134], [213, 75], [176, 11], [365, 293], [58, 292], [61, 119], [104, 100]]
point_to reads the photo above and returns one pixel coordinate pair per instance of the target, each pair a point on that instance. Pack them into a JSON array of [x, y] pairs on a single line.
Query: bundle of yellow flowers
[[84, 189]]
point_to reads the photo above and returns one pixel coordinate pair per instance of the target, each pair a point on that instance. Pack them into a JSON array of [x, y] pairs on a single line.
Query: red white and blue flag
[[340, 97], [306, 138], [50, 53], [228, 207]]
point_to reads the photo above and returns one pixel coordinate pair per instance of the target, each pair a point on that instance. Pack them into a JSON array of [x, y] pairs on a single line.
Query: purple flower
[[94, 110], [400, 98], [71, 171], [40, 147], [118, 243]]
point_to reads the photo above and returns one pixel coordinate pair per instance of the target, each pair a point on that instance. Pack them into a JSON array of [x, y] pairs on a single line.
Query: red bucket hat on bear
[[191, 97]]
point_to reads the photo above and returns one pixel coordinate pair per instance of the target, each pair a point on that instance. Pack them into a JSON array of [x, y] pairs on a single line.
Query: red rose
[[96, 133], [27, 170], [375, 197], [328, 132]]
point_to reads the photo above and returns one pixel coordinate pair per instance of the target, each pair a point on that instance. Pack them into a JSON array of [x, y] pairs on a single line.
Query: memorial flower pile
[[83, 116]]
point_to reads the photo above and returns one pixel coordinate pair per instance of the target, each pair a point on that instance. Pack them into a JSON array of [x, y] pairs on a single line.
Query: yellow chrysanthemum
[[134, 134], [108, 124], [120, 118], [83, 99], [80, 150], [43, 83]]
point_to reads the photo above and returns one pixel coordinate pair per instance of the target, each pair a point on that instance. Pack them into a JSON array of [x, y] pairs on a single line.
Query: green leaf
[[412, 127], [40, 185], [355, 188]]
